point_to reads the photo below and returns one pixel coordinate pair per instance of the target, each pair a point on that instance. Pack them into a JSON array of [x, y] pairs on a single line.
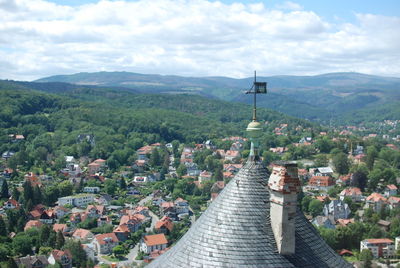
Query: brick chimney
[[284, 185]]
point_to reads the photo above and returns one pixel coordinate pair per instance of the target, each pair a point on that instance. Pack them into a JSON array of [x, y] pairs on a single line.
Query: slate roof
[[235, 231]]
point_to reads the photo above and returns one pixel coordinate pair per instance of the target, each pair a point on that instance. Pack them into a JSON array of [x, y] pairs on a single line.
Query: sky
[[40, 38]]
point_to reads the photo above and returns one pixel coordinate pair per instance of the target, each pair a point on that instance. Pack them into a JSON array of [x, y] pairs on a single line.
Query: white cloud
[[189, 37]]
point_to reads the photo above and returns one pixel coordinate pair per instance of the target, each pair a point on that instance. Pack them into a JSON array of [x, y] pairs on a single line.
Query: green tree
[[4, 190], [3, 228], [305, 202], [341, 163], [60, 240], [372, 153], [321, 160], [65, 188], [181, 170], [118, 251], [28, 191], [110, 186], [366, 256], [79, 257], [155, 159], [315, 207], [22, 244], [4, 253]]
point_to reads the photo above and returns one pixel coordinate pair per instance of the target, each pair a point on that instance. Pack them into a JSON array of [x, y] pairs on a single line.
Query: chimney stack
[[284, 185]]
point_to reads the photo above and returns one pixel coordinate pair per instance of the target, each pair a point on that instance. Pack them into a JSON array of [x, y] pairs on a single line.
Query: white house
[[79, 200], [150, 243], [380, 247], [205, 176], [376, 201], [338, 209]]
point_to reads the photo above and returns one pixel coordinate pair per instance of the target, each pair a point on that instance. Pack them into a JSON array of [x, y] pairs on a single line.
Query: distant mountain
[[324, 98]]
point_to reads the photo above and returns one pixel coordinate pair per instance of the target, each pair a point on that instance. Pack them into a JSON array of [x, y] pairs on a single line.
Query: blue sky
[[198, 37]]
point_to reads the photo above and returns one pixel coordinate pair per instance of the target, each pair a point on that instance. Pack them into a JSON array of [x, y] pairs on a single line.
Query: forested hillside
[[120, 121], [332, 98]]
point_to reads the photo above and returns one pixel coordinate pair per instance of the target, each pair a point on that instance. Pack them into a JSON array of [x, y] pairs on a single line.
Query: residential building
[[390, 190], [323, 171], [321, 183], [48, 217], [79, 200], [394, 202], [324, 221], [104, 243], [205, 176], [337, 209], [232, 156], [85, 236], [376, 201], [32, 261], [380, 247], [181, 206], [353, 192], [164, 225], [151, 243], [11, 204], [64, 258], [192, 169]]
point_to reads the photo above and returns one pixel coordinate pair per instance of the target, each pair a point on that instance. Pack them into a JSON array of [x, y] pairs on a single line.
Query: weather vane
[[257, 88]]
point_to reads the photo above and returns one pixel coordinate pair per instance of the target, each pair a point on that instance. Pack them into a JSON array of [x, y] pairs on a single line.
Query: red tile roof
[[59, 227], [379, 241], [376, 197], [165, 222], [351, 191], [32, 223], [321, 181], [157, 239], [102, 239], [391, 187]]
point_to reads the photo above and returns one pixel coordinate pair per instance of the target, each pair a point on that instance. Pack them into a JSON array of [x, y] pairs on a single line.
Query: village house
[[337, 209], [48, 217], [85, 236], [232, 156], [96, 166], [376, 201], [151, 243], [181, 206], [11, 204], [62, 257], [353, 192], [324, 221], [94, 211], [379, 247], [104, 243], [104, 220], [205, 176], [390, 190], [344, 180], [32, 262], [321, 183], [192, 169], [60, 227], [394, 202], [61, 211], [233, 168], [322, 171], [133, 222], [122, 232], [164, 225]]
